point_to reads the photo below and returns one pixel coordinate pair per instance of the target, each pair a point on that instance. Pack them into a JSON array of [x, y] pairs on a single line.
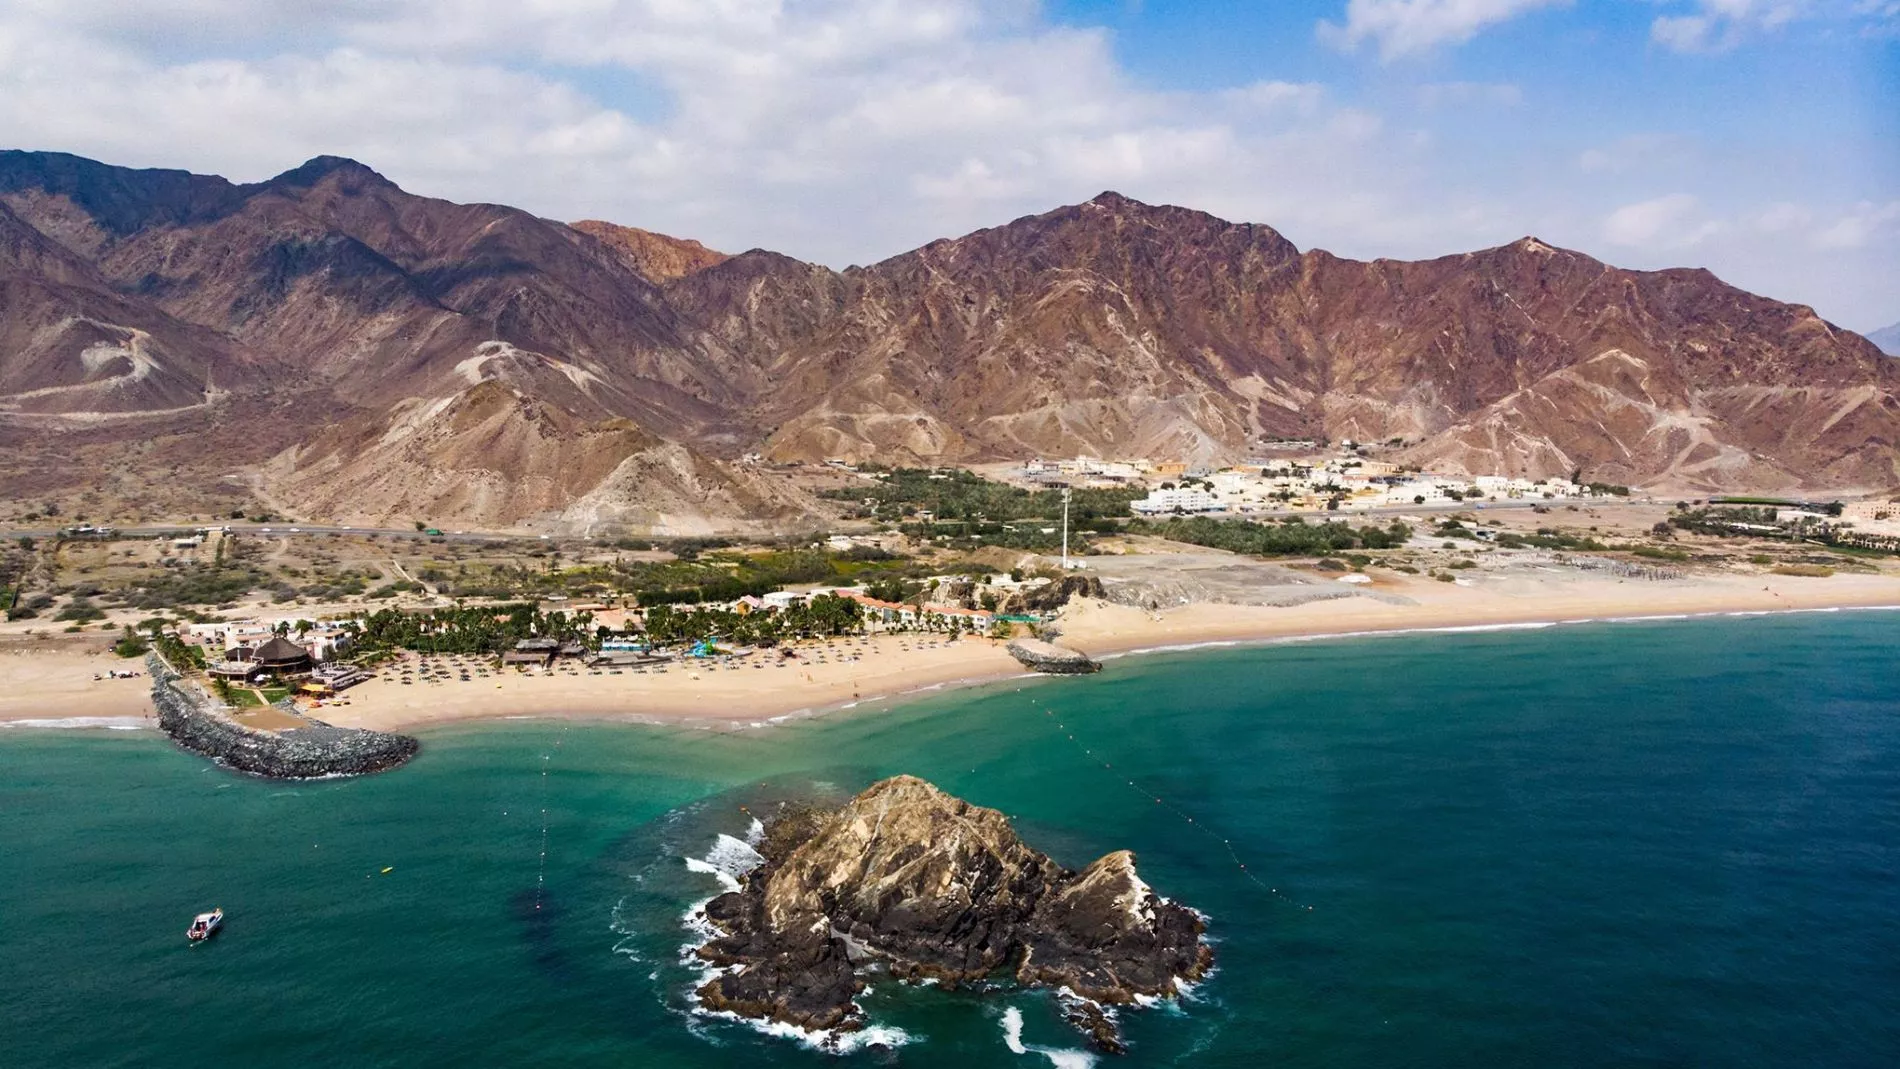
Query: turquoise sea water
[[1668, 843]]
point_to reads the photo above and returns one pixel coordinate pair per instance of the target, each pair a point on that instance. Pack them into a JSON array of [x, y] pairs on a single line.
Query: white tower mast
[[1065, 528]]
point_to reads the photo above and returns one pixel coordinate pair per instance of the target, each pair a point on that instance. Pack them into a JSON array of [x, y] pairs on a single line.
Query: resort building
[[1159, 502], [276, 656], [280, 656]]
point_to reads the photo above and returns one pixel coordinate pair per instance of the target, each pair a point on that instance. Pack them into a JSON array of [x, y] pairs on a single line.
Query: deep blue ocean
[[1641, 844]]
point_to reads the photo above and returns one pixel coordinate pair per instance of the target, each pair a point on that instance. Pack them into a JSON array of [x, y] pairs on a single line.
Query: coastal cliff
[[303, 753], [923, 886]]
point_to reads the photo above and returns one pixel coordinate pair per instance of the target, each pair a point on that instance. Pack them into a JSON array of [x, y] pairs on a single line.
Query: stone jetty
[[1039, 656], [319, 750]]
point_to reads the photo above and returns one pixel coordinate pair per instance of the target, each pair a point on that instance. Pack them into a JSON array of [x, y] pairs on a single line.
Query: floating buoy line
[[1150, 796], [541, 874]]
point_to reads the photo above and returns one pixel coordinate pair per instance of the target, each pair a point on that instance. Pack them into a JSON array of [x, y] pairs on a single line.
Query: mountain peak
[[318, 168]]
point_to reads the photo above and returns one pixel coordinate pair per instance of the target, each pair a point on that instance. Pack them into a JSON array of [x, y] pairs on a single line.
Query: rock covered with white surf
[[911, 881]]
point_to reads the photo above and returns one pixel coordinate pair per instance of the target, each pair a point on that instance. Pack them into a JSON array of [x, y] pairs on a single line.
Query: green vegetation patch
[[1290, 538], [903, 493], [822, 616], [485, 630], [1546, 538]]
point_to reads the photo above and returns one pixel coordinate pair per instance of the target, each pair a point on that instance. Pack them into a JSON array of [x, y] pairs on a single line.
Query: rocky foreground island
[[911, 881]]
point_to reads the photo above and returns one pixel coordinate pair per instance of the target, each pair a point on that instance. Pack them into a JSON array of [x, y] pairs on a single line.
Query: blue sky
[[1759, 138]]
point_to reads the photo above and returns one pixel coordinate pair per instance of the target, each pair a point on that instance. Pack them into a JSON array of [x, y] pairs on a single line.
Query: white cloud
[[1675, 221], [1783, 217], [1470, 94], [1718, 25], [1303, 97], [848, 130], [1636, 152], [1406, 27], [1861, 226], [837, 130]]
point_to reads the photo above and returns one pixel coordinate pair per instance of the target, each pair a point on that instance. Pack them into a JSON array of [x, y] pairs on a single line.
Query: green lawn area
[[244, 698], [276, 694]]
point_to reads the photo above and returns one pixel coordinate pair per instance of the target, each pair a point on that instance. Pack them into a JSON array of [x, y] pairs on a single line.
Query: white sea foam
[[109, 723], [729, 859], [1475, 629], [1060, 1058], [755, 833], [1013, 1031], [871, 1035], [733, 856], [726, 879]]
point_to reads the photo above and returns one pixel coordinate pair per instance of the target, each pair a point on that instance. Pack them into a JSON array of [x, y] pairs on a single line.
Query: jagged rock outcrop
[[1054, 595], [918, 884], [316, 752], [654, 257], [1051, 659]]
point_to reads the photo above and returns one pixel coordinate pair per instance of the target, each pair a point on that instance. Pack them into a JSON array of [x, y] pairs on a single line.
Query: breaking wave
[[1059, 1057]]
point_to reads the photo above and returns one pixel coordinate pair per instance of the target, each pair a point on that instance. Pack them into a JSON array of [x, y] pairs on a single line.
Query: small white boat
[[205, 925]]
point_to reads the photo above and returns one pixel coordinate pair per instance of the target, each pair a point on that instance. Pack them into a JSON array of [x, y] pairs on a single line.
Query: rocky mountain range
[[1888, 338], [341, 349]]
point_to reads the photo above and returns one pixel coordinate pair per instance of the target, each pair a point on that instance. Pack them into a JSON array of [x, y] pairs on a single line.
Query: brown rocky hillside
[[654, 257], [424, 358]]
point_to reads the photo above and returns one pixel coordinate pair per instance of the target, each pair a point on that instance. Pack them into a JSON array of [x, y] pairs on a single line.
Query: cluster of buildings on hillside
[[1343, 482]]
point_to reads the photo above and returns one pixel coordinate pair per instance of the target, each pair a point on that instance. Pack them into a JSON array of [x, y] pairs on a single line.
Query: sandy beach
[[1101, 628], [744, 691], [50, 681]]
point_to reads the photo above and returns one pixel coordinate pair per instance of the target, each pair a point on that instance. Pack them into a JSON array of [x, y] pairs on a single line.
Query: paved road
[[1451, 507], [277, 530]]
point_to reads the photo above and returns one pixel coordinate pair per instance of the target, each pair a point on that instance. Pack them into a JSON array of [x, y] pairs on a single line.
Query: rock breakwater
[[319, 750], [923, 886], [1039, 656]]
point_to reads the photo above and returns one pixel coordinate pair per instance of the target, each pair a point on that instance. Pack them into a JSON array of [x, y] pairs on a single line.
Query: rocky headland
[[909, 881], [314, 752]]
